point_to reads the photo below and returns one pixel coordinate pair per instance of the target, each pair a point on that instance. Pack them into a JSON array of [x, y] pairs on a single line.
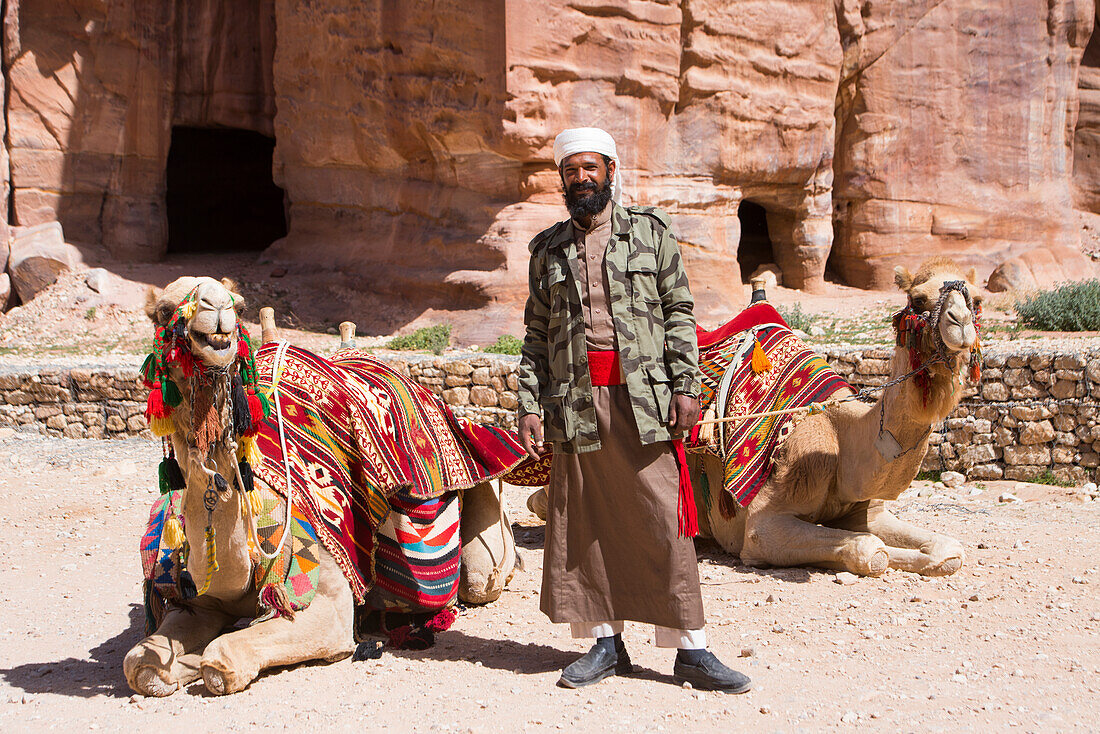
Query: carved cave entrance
[[221, 196], [755, 248]]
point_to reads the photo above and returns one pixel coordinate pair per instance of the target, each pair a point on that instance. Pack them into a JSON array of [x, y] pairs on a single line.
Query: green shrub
[[505, 344], [929, 476], [795, 317], [433, 339], [1047, 477], [1069, 307]]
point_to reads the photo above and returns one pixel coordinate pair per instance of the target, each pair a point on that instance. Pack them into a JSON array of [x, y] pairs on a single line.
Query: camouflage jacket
[[651, 308]]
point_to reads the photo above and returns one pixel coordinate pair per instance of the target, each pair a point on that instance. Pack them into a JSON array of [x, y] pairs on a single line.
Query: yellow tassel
[[189, 309], [249, 450], [162, 426], [256, 502], [706, 431], [211, 560], [173, 533], [760, 362]]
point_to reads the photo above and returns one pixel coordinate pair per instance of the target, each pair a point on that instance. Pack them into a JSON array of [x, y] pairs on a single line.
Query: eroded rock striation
[[412, 140]]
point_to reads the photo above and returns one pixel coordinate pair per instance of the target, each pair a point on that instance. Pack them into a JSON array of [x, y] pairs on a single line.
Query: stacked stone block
[[1036, 411]]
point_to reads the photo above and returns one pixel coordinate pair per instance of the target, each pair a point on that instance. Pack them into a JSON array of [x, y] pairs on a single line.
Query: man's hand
[[530, 435], [682, 414]]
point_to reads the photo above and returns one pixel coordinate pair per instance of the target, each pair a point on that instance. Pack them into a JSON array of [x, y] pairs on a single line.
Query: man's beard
[[584, 200]]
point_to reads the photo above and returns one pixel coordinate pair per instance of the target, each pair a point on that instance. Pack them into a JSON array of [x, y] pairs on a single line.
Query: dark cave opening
[[221, 196], [755, 248]]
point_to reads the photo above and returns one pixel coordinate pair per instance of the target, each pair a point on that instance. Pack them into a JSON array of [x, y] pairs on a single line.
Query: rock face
[[95, 91], [955, 135], [413, 140], [38, 255]]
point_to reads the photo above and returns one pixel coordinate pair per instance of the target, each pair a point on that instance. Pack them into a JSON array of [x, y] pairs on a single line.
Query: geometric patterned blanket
[[798, 377], [418, 555], [160, 564], [287, 582], [357, 433]]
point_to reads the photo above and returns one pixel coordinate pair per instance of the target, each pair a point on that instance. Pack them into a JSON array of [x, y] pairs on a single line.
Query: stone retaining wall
[[1036, 410]]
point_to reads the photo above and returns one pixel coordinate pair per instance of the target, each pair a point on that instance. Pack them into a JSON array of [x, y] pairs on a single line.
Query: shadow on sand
[[524, 658], [99, 675]]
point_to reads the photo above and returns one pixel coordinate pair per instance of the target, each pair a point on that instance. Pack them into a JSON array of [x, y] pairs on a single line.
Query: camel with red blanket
[[811, 489], [299, 492]]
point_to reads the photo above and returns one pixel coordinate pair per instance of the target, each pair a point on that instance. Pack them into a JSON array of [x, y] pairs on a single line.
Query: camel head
[[197, 336], [944, 308], [207, 316]]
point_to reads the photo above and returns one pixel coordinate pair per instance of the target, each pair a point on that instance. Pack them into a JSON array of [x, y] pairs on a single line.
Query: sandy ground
[[1010, 642]]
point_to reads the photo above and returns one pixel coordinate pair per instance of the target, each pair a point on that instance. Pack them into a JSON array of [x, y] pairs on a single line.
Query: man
[[609, 369]]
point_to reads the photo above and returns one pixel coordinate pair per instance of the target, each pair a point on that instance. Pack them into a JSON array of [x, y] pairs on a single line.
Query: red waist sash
[[604, 368]]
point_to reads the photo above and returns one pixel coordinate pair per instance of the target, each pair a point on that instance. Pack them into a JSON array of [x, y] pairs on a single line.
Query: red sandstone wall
[[414, 138]]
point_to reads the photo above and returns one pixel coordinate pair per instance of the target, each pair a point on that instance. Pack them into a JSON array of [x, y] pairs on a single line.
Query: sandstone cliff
[[413, 139]]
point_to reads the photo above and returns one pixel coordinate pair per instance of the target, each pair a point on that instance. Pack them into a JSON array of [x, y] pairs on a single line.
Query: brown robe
[[612, 546]]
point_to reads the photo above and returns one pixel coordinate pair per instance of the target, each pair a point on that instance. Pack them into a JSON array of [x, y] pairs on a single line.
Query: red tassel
[[155, 407], [256, 409], [687, 519], [442, 621], [242, 348], [399, 636], [187, 363]]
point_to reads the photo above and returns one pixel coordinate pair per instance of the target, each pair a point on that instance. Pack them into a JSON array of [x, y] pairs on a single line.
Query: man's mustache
[[579, 188]]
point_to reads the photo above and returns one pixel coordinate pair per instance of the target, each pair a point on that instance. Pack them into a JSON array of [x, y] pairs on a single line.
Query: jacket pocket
[[555, 286], [642, 268], [662, 390]]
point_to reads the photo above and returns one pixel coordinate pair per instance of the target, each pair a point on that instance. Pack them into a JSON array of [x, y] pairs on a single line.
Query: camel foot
[[150, 681], [221, 673], [869, 557], [947, 567], [220, 680], [945, 560], [537, 503]]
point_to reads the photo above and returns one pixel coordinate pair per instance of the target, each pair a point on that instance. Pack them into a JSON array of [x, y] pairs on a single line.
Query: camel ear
[[903, 278], [972, 276], [157, 311], [238, 299]]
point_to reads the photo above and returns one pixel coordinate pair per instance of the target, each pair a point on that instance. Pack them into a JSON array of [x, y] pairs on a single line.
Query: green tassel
[[187, 586], [171, 476], [149, 370], [265, 401], [171, 393]]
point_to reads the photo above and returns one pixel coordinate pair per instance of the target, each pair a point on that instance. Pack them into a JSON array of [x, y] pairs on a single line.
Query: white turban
[[588, 140]]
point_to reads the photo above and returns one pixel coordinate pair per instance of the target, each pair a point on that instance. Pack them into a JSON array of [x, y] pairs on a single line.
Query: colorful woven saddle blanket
[[362, 441], [160, 565], [792, 376], [287, 581]]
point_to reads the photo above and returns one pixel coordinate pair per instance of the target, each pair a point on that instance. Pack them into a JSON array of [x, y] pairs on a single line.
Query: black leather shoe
[[709, 674], [594, 666]]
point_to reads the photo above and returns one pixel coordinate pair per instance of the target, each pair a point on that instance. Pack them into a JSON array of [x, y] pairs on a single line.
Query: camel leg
[[784, 540], [537, 503], [911, 548], [488, 548], [321, 631], [914, 548], [168, 659]]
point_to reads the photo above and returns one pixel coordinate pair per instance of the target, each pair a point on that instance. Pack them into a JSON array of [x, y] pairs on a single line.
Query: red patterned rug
[[357, 433], [795, 376]]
